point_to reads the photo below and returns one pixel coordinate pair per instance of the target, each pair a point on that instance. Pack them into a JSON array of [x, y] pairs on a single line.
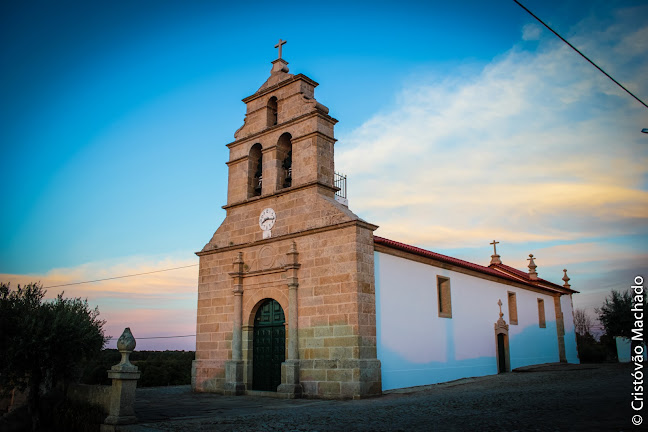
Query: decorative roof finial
[[533, 274], [499, 302], [566, 279], [495, 259]]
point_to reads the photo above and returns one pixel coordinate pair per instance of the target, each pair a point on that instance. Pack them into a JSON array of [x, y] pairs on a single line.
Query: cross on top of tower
[[280, 45]]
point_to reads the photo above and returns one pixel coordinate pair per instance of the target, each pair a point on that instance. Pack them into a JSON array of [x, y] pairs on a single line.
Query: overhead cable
[[582, 55]]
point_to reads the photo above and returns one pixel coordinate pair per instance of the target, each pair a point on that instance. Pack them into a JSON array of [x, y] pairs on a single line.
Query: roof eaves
[[505, 272]]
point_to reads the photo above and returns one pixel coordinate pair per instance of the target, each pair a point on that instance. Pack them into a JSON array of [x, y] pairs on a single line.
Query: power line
[[157, 337], [120, 277], [582, 55]]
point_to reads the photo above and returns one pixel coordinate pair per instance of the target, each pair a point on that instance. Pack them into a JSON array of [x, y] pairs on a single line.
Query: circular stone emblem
[[266, 257]]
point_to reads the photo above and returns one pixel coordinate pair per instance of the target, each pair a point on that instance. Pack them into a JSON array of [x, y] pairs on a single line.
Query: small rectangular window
[[541, 314], [443, 291], [512, 307]]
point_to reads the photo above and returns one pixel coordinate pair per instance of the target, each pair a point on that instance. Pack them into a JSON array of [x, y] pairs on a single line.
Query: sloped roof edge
[[492, 270]]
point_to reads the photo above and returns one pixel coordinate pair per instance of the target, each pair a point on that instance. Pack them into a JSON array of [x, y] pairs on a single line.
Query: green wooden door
[[269, 346]]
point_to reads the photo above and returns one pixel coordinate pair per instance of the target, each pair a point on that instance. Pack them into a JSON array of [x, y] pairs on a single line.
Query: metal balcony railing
[[340, 181]]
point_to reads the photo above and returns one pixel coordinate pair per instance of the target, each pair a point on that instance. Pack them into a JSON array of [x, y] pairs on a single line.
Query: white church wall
[[571, 350], [417, 347], [530, 344]]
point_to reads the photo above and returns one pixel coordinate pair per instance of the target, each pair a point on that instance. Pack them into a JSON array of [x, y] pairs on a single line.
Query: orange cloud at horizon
[[152, 305]]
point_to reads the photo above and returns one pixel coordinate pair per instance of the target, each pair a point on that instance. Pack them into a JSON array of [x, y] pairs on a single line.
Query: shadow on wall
[[398, 372], [528, 347], [534, 345]]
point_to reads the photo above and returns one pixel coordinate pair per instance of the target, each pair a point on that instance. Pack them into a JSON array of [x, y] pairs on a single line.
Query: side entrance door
[[269, 346], [501, 354]]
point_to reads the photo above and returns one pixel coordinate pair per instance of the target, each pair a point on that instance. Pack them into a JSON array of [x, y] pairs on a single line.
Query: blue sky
[[460, 122]]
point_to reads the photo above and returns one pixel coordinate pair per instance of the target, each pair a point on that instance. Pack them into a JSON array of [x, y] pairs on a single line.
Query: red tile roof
[[525, 276], [497, 270]]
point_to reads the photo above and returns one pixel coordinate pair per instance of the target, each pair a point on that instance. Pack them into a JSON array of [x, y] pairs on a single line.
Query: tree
[[616, 315], [43, 342], [582, 322]]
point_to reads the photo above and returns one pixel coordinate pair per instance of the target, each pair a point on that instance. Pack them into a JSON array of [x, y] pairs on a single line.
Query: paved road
[[549, 398]]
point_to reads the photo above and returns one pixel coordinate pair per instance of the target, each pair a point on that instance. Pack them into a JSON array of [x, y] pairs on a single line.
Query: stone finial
[[500, 325], [533, 274], [292, 254], [238, 263], [293, 248], [566, 279], [125, 344], [495, 258], [124, 378]]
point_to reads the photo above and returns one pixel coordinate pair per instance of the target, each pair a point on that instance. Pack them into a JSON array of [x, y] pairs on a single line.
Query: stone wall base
[[234, 385], [290, 387], [341, 379], [208, 376], [318, 379]]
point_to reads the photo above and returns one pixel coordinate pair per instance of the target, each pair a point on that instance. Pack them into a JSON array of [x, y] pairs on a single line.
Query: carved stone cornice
[[341, 225], [283, 125]]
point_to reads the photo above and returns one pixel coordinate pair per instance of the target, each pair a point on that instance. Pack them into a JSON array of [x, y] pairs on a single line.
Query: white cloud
[[537, 146], [538, 150], [531, 31]]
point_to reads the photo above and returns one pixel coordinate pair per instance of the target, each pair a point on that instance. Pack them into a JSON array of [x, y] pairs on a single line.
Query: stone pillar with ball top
[[124, 382]]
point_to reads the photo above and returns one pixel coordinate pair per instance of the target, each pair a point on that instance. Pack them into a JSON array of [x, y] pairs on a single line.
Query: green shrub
[[158, 368]]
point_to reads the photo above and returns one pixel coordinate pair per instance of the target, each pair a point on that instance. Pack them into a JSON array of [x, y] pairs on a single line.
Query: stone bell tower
[[286, 299]]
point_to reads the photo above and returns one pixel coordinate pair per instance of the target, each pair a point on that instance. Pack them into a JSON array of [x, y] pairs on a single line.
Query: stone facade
[[317, 263]]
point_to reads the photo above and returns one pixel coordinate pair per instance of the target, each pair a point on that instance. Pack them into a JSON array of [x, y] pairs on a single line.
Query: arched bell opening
[[271, 110], [255, 171], [284, 155]]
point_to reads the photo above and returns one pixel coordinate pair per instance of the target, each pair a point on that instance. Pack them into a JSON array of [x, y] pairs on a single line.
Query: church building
[[297, 295]]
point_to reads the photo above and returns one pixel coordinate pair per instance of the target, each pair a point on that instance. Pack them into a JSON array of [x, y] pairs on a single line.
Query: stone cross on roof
[[279, 45], [494, 243], [499, 302], [495, 259]]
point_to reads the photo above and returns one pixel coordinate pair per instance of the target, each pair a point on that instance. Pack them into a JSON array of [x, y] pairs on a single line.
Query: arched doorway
[[268, 346], [502, 353]]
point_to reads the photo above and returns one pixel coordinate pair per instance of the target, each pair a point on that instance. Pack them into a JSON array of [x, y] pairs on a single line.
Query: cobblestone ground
[[550, 398]]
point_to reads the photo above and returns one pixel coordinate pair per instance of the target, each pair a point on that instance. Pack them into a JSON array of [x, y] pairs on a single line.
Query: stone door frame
[[502, 328]]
